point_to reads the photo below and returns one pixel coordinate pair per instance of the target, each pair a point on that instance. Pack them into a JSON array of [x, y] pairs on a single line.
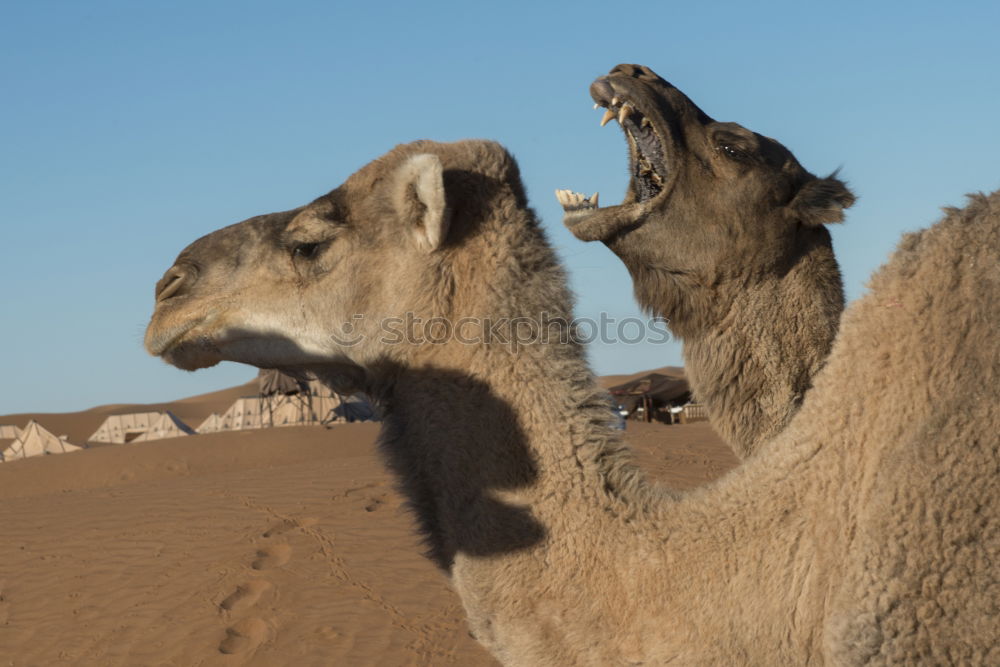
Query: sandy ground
[[277, 547]]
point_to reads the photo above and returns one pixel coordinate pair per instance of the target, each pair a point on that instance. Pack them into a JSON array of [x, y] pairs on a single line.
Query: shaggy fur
[[867, 533], [722, 232]]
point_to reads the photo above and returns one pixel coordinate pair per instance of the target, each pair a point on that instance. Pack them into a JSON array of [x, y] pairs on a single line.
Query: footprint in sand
[[4, 607], [289, 524], [272, 556], [350, 492], [246, 595], [244, 637], [374, 503]]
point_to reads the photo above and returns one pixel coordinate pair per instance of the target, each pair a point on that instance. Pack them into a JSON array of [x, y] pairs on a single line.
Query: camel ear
[[419, 200], [821, 200]]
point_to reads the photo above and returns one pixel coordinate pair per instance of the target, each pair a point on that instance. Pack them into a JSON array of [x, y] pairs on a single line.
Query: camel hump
[[912, 385]]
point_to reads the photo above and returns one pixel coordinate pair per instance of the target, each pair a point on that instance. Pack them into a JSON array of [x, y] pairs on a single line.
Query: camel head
[[311, 287], [708, 203]]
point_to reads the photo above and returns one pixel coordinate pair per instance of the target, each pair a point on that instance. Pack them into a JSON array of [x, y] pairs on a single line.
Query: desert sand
[[284, 546]]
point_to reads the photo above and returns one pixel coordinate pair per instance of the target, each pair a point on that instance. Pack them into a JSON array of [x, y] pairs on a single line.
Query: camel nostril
[[173, 282]]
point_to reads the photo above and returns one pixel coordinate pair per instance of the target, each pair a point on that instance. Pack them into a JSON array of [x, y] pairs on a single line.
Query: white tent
[[9, 431], [244, 413], [285, 413], [317, 388], [298, 410], [167, 426], [212, 424], [36, 441], [275, 410], [124, 428], [274, 382], [326, 409]]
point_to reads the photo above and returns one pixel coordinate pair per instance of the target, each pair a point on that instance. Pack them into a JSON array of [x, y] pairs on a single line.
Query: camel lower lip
[[192, 356], [598, 228], [160, 345]]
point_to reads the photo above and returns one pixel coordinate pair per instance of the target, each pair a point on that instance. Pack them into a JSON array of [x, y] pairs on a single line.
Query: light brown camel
[[867, 533], [722, 232]]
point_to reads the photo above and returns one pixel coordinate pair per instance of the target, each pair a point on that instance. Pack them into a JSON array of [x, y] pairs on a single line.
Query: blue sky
[[127, 129]]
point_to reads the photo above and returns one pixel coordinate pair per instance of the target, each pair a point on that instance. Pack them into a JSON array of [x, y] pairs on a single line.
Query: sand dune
[[273, 547], [80, 425], [612, 380]]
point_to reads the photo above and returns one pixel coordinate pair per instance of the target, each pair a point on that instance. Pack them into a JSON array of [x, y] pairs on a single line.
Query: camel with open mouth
[[722, 232]]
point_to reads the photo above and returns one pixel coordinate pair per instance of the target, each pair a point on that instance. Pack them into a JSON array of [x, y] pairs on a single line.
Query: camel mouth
[[647, 148], [160, 340], [193, 354], [182, 346]]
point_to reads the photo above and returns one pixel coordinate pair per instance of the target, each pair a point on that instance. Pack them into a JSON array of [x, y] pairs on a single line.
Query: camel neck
[[492, 432], [754, 365], [490, 450]]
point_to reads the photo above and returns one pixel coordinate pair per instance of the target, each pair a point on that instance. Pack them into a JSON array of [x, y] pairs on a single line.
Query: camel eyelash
[[305, 250]]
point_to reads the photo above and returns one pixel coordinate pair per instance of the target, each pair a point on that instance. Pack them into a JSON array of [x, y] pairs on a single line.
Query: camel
[[866, 532], [722, 232]]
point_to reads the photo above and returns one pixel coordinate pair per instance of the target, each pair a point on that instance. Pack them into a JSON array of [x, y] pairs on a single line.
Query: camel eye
[[732, 152], [305, 250]]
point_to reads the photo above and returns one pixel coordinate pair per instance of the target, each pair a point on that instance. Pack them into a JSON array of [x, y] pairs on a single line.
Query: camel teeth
[[624, 113], [614, 101], [596, 105], [646, 123], [574, 201], [608, 117]]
